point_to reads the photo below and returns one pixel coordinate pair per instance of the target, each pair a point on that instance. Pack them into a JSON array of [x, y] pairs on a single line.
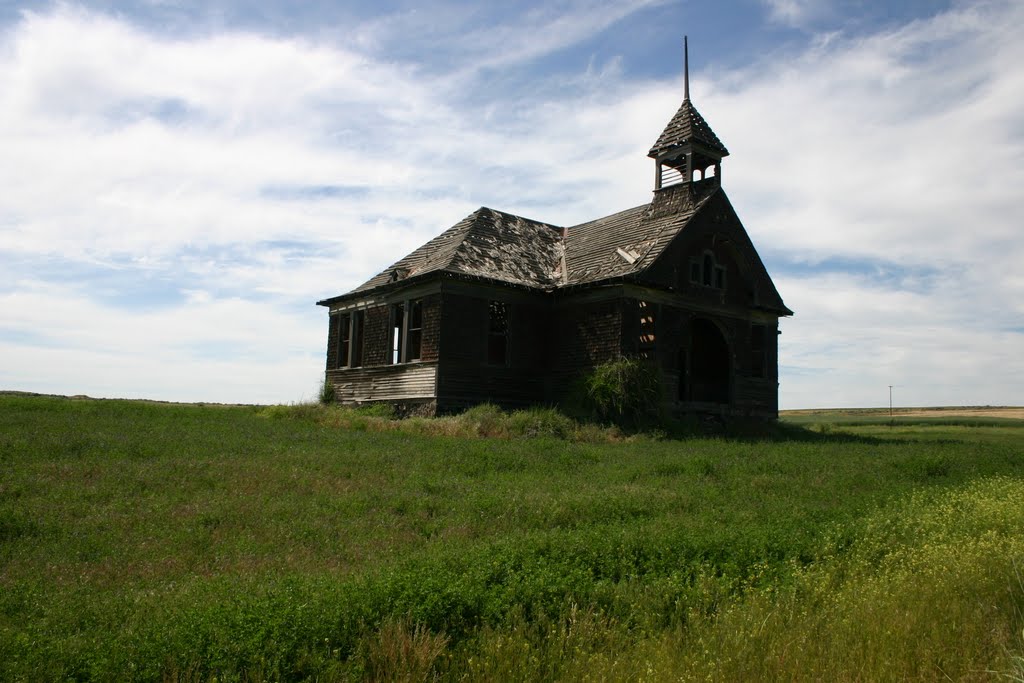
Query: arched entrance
[[710, 367]]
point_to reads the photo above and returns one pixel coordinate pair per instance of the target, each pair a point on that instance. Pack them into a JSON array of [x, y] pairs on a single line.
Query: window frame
[[344, 346], [357, 338], [498, 333], [707, 272], [396, 333], [405, 332], [414, 330]]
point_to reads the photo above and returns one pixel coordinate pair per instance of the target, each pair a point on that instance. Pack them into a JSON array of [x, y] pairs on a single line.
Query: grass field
[[146, 541]]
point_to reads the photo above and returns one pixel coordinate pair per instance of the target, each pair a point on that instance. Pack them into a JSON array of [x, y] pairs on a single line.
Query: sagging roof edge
[[554, 291], [426, 277]]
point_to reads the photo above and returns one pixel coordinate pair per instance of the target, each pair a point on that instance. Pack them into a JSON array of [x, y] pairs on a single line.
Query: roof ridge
[[611, 215], [462, 229], [522, 218]]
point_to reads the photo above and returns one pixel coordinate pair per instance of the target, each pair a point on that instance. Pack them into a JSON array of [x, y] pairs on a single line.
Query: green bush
[[626, 392], [327, 395]]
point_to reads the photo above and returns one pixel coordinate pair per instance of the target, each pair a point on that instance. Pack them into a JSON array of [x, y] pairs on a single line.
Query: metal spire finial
[[686, 70]]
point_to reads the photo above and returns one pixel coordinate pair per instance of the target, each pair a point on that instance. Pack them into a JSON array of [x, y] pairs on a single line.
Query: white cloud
[[132, 158], [491, 37], [852, 337], [902, 150], [797, 13], [66, 342], [251, 175]]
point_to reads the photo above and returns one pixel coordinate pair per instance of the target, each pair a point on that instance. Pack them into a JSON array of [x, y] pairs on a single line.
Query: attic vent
[[670, 176]]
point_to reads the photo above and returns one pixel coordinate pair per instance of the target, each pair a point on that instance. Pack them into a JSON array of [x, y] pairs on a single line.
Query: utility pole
[[890, 405]]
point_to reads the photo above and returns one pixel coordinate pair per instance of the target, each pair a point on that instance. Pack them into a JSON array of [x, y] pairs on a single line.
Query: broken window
[[344, 339], [758, 351], [405, 331], [647, 329], [397, 323], [356, 341], [497, 333], [707, 271]]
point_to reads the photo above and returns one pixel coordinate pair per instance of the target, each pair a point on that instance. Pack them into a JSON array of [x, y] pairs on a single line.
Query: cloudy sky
[[183, 179]]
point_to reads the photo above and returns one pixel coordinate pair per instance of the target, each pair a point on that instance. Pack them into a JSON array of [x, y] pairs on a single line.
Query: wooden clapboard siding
[[385, 383]]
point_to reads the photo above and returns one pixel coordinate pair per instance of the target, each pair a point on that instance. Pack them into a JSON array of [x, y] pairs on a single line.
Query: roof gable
[[716, 219], [592, 250]]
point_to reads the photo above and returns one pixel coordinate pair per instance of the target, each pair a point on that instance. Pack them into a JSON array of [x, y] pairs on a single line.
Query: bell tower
[[687, 146]]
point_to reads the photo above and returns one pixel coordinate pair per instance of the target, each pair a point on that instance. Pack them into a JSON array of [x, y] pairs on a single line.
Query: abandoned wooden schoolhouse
[[509, 310]]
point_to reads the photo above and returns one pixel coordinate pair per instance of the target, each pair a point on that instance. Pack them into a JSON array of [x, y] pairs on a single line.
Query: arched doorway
[[710, 367]]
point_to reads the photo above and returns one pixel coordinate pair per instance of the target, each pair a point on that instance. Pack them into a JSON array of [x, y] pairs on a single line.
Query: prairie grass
[[482, 421], [143, 541]]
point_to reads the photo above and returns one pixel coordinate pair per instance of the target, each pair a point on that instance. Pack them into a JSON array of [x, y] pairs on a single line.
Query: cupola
[[687, 147]]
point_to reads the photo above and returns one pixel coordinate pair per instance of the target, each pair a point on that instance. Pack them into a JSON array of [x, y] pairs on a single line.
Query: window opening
[[497, 333], [707, 271], [356, 341], [647, 329], [397, 323], [344, 339], [415, 335], [710, 364], [405, 332]]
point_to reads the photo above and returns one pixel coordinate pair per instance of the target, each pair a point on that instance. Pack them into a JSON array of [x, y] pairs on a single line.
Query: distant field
[[1015, 413], [149, 541]]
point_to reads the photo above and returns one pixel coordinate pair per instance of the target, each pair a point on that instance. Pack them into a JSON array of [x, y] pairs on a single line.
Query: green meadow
[[147, 541]]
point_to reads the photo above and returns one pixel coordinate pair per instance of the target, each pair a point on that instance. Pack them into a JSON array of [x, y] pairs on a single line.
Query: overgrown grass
[[482, 421], [146, 541]]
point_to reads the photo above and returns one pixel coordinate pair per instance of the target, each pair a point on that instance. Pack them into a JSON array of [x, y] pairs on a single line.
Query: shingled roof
[[488, 244], [509, 249], [602, 249], [687, 126], [506, 248]]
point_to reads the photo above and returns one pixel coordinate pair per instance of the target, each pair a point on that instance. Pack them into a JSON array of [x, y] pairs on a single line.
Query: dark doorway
[[710, 368]]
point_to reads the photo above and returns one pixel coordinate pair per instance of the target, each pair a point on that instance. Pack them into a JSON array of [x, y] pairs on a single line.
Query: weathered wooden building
[[510, 310]]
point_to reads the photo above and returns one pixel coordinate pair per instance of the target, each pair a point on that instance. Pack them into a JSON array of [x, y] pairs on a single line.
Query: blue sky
[[184, 179]]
